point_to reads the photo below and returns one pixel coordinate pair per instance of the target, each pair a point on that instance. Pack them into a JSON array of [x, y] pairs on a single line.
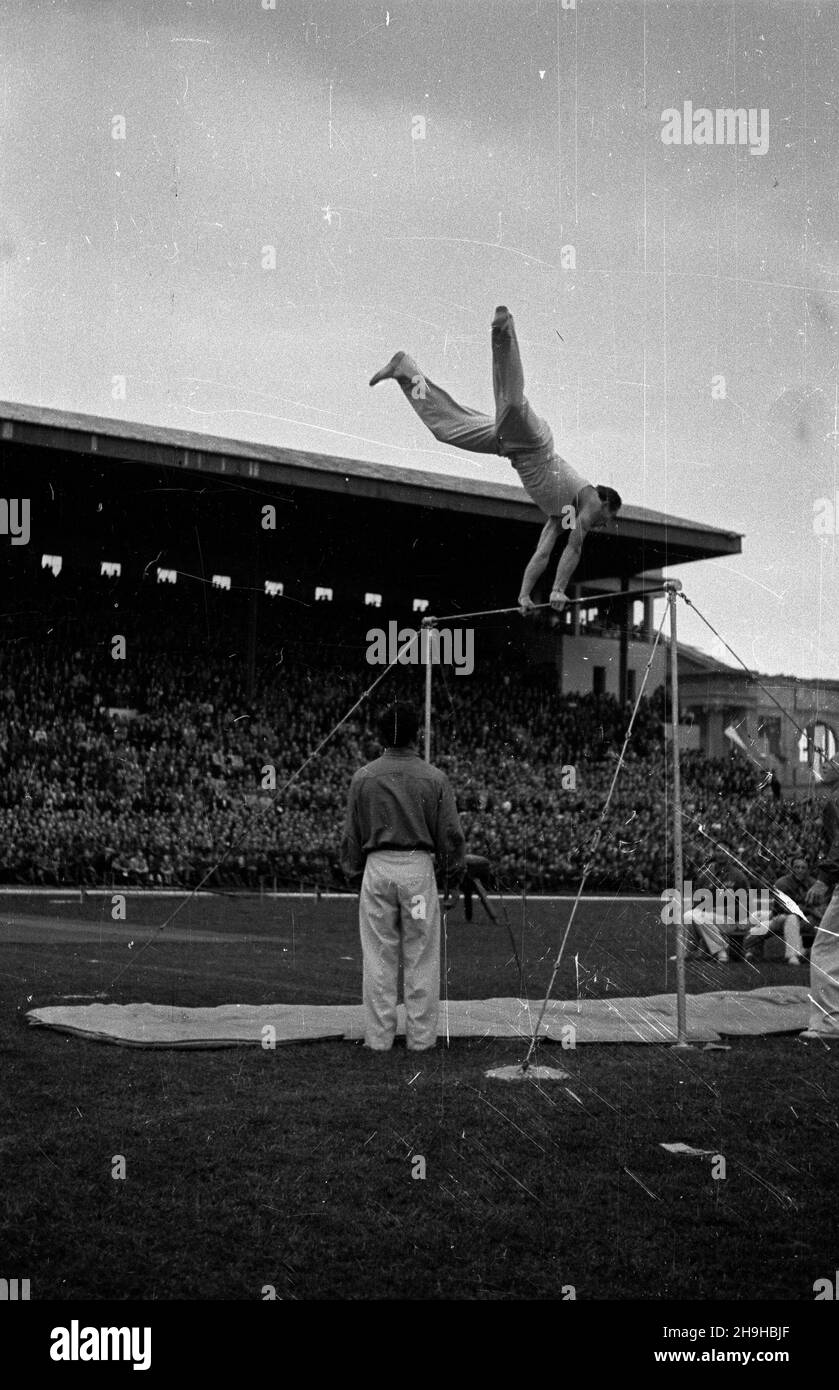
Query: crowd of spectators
[[163, 770]]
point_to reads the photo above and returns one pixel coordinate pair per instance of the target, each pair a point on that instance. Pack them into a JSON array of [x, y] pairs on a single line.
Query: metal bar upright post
[[673, 586], [429, 644]]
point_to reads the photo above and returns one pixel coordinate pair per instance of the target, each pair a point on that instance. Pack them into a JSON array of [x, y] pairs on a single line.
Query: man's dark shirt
[[795, 888], [401, 802]]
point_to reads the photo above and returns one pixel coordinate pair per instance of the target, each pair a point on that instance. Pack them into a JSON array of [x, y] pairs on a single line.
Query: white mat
[[649, 1019]]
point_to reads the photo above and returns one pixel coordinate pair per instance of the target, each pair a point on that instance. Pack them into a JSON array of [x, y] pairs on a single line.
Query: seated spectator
[[138, 869], [121, 868], [730, 917], [704, 921], [797, 931]]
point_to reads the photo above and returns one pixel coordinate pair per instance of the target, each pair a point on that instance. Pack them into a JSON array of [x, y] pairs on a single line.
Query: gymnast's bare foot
[[396, 367], [501, 318]]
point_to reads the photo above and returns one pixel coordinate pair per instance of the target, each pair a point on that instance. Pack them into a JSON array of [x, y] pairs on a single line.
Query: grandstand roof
[[645, 538]]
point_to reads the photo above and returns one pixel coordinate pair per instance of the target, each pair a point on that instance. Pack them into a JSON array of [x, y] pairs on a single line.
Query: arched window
[[818, 746]]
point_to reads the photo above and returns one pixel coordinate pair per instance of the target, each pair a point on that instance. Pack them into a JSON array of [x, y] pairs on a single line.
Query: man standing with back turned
[[401, 812]]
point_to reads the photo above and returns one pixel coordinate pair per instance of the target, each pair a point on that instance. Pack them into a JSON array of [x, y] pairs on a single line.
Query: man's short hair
[[398, 725], [610, 497]]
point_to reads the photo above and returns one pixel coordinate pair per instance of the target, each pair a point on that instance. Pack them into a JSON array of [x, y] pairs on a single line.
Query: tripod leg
[[490, 911]]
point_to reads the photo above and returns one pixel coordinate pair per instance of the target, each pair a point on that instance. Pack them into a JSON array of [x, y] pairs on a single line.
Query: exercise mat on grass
[[647, 1019]]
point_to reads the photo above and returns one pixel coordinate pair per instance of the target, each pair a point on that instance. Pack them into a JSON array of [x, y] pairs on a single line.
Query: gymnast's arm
[[539, 561], [570, 557]]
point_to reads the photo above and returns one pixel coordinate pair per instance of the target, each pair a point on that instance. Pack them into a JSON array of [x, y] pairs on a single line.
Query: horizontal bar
[[590, 599]]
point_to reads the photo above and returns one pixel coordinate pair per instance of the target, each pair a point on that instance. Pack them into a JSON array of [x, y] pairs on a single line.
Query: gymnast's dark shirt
[[401, 802]]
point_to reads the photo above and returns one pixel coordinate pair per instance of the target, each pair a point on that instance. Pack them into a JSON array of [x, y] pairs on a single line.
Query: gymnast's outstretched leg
[[449, 422], [518, 429]]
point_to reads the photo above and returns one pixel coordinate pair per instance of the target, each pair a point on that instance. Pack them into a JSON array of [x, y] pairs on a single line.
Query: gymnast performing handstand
[[568, 501]]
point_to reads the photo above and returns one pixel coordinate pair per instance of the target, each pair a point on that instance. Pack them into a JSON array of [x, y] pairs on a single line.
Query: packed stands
[[151, 769]]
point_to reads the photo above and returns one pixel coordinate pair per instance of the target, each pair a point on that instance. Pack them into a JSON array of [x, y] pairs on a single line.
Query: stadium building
[[187, 618], [132, 507], [125, 504], [724, 707], [129, 505]]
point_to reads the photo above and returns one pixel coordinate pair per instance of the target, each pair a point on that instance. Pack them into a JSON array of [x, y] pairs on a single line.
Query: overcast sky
[[247, 127]]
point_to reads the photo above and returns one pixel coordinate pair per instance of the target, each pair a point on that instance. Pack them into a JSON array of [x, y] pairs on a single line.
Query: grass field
[[293, 1168]]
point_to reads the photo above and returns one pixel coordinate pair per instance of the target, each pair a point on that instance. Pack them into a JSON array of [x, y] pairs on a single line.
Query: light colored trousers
[[399, 913], [716, 944], [786, 923], [824, 972], [793, 941], [515, 429]]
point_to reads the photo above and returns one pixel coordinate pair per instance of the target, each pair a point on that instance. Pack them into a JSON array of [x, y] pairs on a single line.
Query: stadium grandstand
[[187, 617]]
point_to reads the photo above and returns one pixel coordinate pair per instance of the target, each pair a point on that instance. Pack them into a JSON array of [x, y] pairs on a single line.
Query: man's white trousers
[[399, 913]]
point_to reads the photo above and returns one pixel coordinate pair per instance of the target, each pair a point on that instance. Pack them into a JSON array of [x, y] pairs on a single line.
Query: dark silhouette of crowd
[[171, 768]]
